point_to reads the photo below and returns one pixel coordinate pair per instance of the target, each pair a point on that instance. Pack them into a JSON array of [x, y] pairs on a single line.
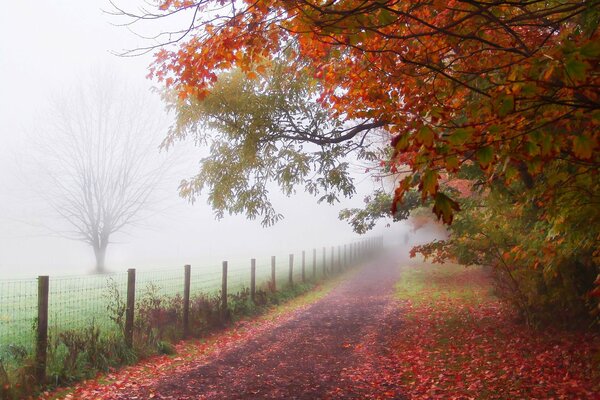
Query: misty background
[[49, 48]]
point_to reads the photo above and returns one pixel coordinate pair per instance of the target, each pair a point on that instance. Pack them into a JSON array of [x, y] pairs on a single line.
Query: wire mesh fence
[[18, 313], [101, 301]]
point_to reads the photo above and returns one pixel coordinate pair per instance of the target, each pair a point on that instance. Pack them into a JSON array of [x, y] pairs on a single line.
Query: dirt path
[[332, 349]]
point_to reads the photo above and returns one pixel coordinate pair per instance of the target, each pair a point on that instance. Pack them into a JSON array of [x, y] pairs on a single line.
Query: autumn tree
[[509, 88], [494, 83], [97, 162]]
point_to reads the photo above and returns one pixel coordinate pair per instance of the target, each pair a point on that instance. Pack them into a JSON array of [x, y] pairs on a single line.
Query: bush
[[544, 256], [77, 354], [204, 314]]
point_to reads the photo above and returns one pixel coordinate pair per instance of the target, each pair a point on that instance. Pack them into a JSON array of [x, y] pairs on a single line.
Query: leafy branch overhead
[[511, 87], [378, 206], [261, 131]]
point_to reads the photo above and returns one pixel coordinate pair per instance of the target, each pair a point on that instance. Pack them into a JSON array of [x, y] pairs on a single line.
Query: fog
[[46, 48]]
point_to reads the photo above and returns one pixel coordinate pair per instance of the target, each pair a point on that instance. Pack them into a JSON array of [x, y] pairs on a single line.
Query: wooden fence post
[[303, 266], [291, 273], [273, 276], [224, 291], [42, 329], [129, 311], [253, 279], [186, 299], [324, 261], [332, 259], [314, 272]]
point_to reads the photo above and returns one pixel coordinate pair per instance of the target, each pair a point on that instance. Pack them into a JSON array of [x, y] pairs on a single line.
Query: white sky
[[46, 46]]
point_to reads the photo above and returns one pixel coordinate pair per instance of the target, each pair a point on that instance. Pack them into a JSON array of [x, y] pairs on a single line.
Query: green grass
[[427, 283]]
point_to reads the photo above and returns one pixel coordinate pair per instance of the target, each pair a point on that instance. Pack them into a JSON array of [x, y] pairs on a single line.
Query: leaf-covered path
[[319, 351]]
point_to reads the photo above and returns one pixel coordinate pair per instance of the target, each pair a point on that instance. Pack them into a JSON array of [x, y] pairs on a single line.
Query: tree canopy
[[509, 86], [266, 130], [506, 92]]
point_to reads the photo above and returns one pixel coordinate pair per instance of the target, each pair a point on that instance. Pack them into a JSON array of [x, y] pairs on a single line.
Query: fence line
[[59, 304]]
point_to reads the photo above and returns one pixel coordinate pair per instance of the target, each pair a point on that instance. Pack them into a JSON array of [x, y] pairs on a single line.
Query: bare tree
[[99, 162]]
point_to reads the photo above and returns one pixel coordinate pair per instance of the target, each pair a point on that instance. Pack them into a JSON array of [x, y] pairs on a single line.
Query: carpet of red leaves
[[456, 341]]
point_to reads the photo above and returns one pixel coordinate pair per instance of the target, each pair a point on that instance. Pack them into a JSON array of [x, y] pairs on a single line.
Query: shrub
[[158, 318], [204, 313]]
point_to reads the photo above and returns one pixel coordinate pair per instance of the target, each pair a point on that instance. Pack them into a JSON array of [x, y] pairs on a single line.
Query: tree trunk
[[100, 253]]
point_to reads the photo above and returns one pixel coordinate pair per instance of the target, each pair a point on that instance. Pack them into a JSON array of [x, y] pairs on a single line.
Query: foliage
[[116, 303], [378, 206], [157, 318], [508, 86], [14, 381], [204, 313], [543, 251], [505, 92], [76, 354], [260, 131]]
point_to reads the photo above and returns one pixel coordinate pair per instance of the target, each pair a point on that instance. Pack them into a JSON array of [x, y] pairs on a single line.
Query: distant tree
[[99, 164]]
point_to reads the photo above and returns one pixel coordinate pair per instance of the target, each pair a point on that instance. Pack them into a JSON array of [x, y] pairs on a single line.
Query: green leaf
[[534, 166], [529, 89], [546, 143], [401, 143], [511, 173], [590, 49], [444, 207], [485, 155], [460, 136], [575, 69], [582, 147], [532, 149], [506, 104], [452, 163], [354, 38], [429, 183], [386, 17], [425, 135], [494, 130]]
